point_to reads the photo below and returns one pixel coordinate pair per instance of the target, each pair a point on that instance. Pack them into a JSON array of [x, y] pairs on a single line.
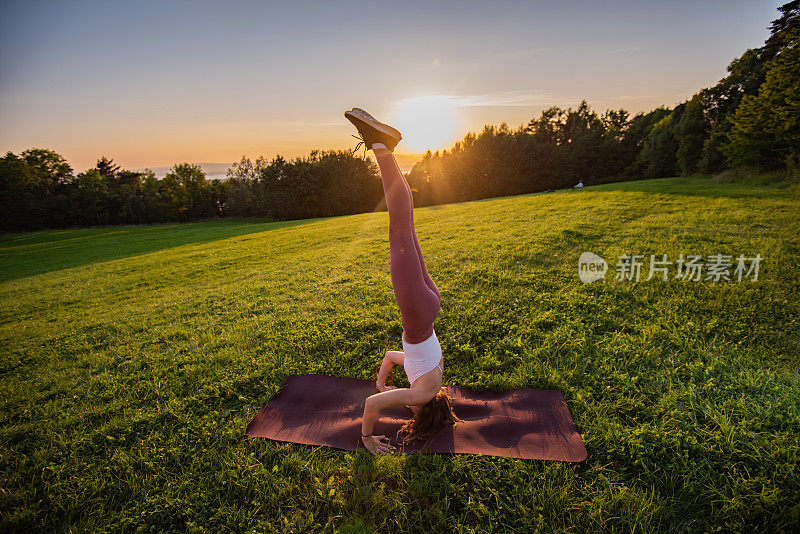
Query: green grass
[[132, 359]]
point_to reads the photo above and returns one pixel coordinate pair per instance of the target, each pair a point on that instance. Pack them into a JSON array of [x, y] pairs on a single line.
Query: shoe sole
[[381, 127]]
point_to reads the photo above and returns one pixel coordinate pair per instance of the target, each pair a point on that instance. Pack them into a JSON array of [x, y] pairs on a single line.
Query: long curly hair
[[433, 417]]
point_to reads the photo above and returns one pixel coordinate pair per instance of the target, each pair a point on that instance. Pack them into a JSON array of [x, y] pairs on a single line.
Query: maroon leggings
[[416, 294]]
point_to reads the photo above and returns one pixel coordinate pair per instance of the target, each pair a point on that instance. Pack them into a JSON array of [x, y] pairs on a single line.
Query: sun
[[426, 122]]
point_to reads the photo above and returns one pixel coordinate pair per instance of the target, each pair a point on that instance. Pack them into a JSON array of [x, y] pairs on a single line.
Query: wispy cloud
[[519, 98], [519, 54], [655, 96], [315, 124], [630, 50], [494, 99], [48, 98]]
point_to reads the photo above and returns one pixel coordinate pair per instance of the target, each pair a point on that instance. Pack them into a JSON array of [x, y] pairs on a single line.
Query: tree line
[[39, 190], [749, 118]]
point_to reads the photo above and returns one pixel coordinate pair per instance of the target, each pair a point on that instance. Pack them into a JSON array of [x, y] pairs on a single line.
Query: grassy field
[[133, 358]]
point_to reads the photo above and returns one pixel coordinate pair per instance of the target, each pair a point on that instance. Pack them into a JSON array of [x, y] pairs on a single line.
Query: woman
[[418, 299]]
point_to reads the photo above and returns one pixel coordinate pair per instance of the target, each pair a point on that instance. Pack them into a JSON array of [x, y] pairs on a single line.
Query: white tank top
[[421, 358]]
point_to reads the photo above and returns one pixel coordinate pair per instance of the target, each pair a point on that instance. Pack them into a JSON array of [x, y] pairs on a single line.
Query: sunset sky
[[155, 83]]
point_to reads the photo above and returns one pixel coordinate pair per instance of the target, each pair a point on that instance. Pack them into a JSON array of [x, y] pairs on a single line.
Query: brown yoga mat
[[532, 424]]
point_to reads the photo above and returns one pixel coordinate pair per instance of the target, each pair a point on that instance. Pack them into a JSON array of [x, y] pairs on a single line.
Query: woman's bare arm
[[393, 397], [415, 396], [390, 359]]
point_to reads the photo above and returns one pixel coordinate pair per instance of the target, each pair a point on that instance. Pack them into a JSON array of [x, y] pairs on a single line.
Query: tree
[[32, 186], [691, 131], [52, 168], [184, 188], [128, 186], [657, 157], [90, 195], [766, 127], [106, 167], [20, 208], [783, 27]]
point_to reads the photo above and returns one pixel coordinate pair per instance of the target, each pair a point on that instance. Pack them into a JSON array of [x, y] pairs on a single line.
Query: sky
[[152, 84]]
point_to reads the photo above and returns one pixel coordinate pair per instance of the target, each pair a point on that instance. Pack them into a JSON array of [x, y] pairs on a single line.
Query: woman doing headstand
[[418, 299]]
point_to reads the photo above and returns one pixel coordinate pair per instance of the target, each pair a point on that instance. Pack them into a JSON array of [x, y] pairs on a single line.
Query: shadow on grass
[[32, 253]]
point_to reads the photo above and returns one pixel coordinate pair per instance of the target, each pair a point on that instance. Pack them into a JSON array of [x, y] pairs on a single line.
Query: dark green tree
[[766, 127], [783, 27], [90, 193], [52, 168], [106, 167], [185, 188], [32, 188], [691, 131], [20, 189]]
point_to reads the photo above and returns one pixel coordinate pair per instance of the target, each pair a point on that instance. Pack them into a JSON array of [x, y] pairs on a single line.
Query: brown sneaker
[[371, 130]]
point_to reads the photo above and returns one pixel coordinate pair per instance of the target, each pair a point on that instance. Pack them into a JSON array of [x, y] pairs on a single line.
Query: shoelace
[[360, 142]]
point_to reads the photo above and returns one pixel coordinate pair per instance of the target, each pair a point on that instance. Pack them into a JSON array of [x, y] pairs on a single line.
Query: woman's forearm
[[383, 373], [395, 397], [369, 418]]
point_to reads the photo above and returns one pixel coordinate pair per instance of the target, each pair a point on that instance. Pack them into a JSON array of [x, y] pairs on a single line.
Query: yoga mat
[[531, 424]]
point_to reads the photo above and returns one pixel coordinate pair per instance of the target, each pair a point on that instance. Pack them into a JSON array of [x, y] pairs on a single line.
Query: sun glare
[[426, 122]]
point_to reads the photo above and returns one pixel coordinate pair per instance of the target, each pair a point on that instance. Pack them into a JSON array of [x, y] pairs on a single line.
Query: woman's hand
[[377, 444], [383, 387]]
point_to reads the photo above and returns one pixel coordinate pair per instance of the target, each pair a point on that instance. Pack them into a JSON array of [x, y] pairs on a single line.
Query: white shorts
[[421, 358]]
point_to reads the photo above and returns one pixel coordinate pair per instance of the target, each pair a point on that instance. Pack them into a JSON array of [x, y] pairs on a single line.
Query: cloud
[[301, 123], [520, 98], [630, 50], [656, 96], [515, 55], [11, 99]]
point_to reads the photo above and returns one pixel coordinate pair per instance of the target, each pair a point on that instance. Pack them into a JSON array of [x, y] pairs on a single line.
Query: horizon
[[154, 94]]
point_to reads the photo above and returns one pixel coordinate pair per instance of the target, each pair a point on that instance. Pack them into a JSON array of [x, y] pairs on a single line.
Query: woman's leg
[[416, 294], [428, 281], [425, 274]]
